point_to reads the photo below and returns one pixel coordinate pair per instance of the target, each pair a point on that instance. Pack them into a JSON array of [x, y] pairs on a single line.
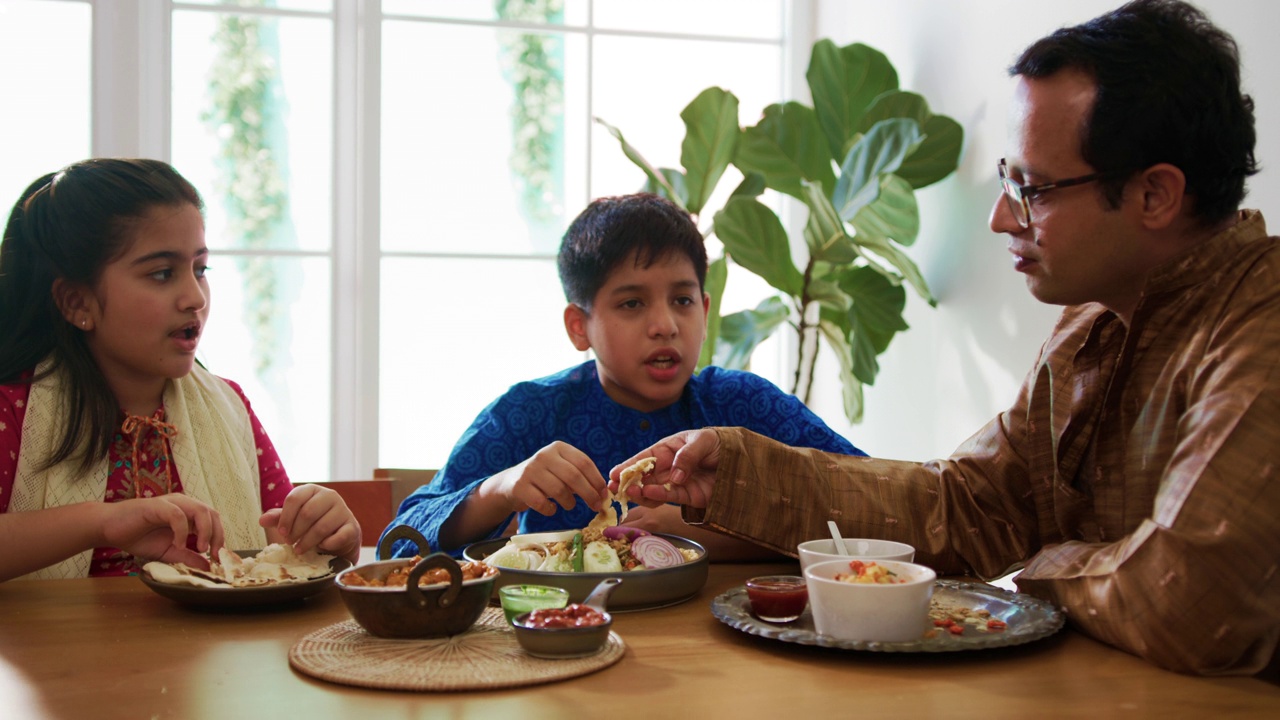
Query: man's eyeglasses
[[1018, 196]]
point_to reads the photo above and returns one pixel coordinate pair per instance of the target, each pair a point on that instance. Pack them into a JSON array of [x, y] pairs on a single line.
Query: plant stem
[[803, 331], [813, 368]]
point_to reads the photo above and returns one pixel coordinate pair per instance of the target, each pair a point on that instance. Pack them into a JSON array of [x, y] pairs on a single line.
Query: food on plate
[[435, 576], [631, 475], [870, 573], [275, 564], [602, 546], [572, 616], [593, 549], [956, 620]]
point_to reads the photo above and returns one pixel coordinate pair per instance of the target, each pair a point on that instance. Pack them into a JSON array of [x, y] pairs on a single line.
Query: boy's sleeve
[[778, 415], [487, 447]]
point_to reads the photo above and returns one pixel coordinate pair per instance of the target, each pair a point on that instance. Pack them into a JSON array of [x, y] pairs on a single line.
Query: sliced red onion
[[620, 532], [655, 552]]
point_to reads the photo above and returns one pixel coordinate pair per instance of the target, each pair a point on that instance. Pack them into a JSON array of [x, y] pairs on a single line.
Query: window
[[386, 182], [54, 91]]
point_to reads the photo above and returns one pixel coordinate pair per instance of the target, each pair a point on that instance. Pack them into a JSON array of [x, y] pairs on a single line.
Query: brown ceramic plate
[[640, 589], [245, 597]]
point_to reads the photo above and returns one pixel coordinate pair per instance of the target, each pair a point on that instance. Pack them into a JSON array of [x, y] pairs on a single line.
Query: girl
[[116, 447]]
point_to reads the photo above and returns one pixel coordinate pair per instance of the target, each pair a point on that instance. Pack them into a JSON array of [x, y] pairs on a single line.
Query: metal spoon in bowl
[[836, 539]]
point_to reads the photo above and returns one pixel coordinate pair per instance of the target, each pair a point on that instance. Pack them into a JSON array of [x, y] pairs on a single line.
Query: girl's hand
[[157, 528], [315, 517], [558, 472]]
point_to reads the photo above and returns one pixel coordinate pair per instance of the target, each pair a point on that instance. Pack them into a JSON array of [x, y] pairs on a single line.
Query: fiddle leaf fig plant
[[854, 159]]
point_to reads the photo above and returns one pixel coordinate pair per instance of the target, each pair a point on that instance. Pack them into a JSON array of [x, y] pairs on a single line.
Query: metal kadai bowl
[[643, 589], [410, 611]]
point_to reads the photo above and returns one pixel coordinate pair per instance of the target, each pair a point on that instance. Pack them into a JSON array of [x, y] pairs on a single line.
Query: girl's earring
[[84, 323]]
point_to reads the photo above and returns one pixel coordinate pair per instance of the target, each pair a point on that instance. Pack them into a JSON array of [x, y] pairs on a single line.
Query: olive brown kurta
[[1135, 475]]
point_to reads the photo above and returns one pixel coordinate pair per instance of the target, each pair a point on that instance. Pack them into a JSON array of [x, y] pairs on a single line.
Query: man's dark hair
[[611, 229], [1168, 91]]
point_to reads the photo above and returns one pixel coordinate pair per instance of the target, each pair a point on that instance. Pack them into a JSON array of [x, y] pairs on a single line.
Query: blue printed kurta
[[572, 407]]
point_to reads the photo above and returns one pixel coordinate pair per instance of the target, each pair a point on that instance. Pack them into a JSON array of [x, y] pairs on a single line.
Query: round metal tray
[[1027, 618]]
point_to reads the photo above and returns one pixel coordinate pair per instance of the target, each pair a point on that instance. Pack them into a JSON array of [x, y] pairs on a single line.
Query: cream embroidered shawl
[[214, 452]]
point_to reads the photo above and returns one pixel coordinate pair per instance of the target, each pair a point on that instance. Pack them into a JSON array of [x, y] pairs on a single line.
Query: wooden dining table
[[112, 648]]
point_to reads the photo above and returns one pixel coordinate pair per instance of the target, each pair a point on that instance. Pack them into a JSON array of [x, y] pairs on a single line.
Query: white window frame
[[131, 83]]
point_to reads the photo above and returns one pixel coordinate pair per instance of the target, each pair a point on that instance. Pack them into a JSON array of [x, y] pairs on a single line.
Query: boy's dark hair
[[1168, 91], [70, 224], [610, 229]]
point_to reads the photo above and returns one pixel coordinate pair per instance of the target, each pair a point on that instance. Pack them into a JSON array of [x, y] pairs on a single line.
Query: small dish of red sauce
[[777, 598], [570, 616]]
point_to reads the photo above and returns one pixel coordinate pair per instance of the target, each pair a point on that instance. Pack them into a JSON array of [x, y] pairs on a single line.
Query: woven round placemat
[[486, 657]]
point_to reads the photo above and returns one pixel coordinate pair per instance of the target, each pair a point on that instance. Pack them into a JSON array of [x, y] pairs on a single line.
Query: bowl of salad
[[659, 569]]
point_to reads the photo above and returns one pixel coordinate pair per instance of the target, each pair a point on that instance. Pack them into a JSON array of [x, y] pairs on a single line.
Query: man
[[1134, 478]]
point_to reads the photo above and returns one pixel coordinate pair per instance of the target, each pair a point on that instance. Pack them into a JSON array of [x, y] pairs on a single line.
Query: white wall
[[961, 363]]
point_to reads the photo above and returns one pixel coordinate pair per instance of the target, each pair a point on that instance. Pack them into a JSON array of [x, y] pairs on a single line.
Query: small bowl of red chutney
[[777, 598], [575, 630]]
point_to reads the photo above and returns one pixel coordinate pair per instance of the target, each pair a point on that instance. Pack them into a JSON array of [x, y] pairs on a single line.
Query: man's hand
[[685, 472]]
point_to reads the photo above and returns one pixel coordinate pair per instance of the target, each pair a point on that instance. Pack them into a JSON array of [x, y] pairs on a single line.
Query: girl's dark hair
[[1168, 91], [610, 229], [70, 224]]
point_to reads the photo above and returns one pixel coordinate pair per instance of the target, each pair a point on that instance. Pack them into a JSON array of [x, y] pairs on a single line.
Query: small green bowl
[[520, 599]]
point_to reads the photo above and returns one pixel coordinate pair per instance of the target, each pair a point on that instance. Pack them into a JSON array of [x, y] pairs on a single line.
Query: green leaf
[[885, 249], [655, 177], [786, 148], [844, 82], [827, 293], [755, 239], [894, 214], [717, 278], [675, 183], [837, 339], [895, 104], [937, 156], [752, 185], [873, 319], [880, 151], [741, 332], [710, 140], [824, 232]]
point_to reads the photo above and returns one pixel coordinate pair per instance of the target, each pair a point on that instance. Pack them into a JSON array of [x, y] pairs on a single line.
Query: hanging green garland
[[532, 68], [241, 114]]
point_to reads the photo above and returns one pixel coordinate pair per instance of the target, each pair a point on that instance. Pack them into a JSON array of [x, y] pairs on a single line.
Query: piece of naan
[[179, 574], [632, 475], [273, 565]]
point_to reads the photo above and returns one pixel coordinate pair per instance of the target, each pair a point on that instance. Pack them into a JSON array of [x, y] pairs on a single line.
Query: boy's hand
[[315, 517], [685, 472], [558, 472]]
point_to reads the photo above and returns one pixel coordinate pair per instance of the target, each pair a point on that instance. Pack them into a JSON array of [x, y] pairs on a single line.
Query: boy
[[632, 268]]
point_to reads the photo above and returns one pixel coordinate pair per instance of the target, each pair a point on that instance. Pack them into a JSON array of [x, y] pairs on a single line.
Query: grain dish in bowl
[[875, 600]]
